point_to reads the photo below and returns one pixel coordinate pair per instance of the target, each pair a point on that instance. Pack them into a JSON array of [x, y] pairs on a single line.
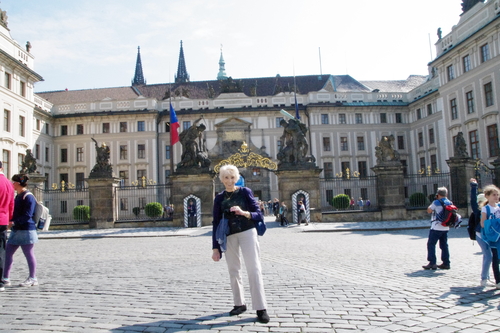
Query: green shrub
[[136, 211], [81, 213], [341, 201], [418, 199], [153, 209]]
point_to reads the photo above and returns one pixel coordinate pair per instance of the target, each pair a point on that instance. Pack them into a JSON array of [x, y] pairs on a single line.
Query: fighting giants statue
[[194, 150], [295, 147], [385, 152], [29, 163], [460, 148], [102, 167]]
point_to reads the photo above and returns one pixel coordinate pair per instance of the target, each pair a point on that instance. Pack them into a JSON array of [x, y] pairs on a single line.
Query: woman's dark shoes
[[262, 316], [443, 266], [430, 266], [237, 310]]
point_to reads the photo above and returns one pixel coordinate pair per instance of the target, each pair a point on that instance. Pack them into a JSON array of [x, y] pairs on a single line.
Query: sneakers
[[483, 283], [6, 282], [497, 285], [2, 288], [29, 282], [237, 310], [429, 266], [443, 266], [262, 316]]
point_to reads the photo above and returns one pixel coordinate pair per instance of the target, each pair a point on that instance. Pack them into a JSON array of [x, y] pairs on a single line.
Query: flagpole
[[171, 129], [295, 93]]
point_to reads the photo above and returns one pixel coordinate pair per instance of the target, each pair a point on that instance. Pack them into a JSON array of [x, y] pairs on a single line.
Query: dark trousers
[[434, 237], [3, 242], [494, 264]]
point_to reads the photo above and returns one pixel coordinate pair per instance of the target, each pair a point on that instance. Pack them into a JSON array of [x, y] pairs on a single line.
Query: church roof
[[62, 97], [403, 86], [263, 86]]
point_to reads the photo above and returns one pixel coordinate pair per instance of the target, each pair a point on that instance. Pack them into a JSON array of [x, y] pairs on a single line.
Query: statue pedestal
[[390, 190], [200, 185], [36, 185], [103, 211], [307, 180]]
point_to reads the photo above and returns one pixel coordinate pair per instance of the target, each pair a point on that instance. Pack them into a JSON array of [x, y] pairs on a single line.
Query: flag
[[174, 127]]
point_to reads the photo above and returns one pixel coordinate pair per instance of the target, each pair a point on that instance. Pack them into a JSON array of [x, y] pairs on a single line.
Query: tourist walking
[[6, 211], [491, 210], [235, 212], [23, 231], [283, 214], [438, 232]]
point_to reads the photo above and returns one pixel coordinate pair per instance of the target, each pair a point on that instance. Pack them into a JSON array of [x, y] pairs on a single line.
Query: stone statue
[[229, 85], [385, 152], [29, 163], [102, 167], [28, 46], [460, 149], [439, 33], [194, 150], [3, 18], [468, 4], [295, 146]]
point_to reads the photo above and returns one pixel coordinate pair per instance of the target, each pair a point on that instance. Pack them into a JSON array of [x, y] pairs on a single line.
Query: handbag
[[261, 228]]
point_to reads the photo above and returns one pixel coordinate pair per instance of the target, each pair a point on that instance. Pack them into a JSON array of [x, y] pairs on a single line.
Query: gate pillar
[[102, 203], [461, 171], [390, 191], [200, 185], [36, 186], [290, 181]]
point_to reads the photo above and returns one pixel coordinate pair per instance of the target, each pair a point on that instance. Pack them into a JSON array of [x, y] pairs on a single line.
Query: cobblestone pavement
[[345, 281]]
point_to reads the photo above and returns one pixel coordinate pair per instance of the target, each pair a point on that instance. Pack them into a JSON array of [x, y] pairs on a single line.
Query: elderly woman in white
[[239, 207]]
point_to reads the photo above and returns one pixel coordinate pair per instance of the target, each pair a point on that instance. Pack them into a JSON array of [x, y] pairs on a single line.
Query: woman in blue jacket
[[238, 206], [23, 231], [490, 255]]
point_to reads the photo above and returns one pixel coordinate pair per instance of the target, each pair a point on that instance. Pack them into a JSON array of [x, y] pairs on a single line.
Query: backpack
[[449, 217], [41, 216], [471, 227]]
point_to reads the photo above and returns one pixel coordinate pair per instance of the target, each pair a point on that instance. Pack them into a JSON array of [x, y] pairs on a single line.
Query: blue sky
[[93, 44]]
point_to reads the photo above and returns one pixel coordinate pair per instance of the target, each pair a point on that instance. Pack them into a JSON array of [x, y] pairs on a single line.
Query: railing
[[420, 189], [131, 200], [62, 201], [354, 187]]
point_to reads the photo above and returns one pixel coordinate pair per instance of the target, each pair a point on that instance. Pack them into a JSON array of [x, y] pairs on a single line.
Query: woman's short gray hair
[[229, 169]]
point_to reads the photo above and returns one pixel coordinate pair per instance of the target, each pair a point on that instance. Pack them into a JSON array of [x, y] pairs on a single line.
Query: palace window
[[431, 136], [343, 143], [466, 63], [399, 118], [6, 120], [361, 143], [123, 127], [401, 142], [64, 155], [493, 139], [79, 154], [328, 169], [488, 94], [383, 118], [326, 144], [419, 114], [342, 118], [79, 129], [451, 72], [141, 151], [21, 126], [453, 108], [64, 130], [420, 139], [429, 109], [324, 119], [105, 127], [141, 126], [485, 53], [359, 118], [123, 152], [474, 144], [470, 101]]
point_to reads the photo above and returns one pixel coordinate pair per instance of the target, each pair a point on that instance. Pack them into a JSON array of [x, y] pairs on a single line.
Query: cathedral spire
[[222, 70], [182, 75], [138, 77]]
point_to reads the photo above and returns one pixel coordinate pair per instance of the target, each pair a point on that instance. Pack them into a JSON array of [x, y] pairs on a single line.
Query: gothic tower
[[138, 77], [182, 74]]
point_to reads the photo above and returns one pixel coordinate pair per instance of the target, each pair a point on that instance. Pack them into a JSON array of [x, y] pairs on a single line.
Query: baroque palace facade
[[346, 118]]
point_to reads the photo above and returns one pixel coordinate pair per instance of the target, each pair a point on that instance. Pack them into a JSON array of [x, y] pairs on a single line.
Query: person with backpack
[[491, 210], [23, 231], [438, 231], [490, 255]]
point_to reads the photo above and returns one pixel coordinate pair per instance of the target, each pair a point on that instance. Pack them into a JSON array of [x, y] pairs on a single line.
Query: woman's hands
[[238, 211], [215, 255]]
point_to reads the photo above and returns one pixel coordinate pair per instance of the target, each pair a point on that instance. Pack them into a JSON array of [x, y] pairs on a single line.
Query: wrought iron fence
[[420, 189], [131, 200], [62, 200], [356, 188], [483, 174]]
